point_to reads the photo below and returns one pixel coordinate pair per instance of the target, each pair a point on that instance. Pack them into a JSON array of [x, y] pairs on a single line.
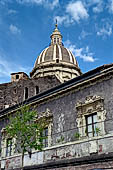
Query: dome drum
[[64, 71]]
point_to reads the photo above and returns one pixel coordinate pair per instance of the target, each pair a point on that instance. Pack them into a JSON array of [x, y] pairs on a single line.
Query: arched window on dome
[[55, 40], [57, 60]]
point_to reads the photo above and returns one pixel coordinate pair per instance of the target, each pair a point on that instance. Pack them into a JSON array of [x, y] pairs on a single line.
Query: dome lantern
[[56, 37]]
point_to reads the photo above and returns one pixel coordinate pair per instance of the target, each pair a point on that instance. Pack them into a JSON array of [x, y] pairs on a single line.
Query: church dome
[[58, 53], [56, 60]]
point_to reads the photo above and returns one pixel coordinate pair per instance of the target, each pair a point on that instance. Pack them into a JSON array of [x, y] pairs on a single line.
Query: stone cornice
[[55, 65], [87, 160], [90, 78]]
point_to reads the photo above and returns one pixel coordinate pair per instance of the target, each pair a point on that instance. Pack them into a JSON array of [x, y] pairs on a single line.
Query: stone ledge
[[72, 162]]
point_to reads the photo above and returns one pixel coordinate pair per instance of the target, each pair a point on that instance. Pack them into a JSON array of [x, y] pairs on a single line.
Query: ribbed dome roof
[[56, 60], [56, 52]]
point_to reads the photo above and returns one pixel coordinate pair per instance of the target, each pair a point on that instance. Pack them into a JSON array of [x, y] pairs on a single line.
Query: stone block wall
[[13, 92], [64, 111]]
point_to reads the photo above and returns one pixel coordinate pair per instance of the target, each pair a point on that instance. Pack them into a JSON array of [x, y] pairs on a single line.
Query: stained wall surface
[[63, 107], [14, 92]]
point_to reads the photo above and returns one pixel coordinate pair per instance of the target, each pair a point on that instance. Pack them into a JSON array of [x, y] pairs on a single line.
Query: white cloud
[[63, 20], [3, 2], [110, 6], [106, 30], [93, 2], [77, 11], [46, 3], [82, 53], [96, 5], [70, 46], [12, 11], [84, 34], [7, 67], [98, 8], [30, 1], [14, 30], [53, 4], [60, 19]]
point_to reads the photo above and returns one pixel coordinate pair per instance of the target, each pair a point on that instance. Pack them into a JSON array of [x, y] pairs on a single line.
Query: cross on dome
[[56, 25]]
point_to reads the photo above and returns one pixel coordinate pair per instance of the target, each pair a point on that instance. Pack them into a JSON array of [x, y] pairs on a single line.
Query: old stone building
[[79, 106]]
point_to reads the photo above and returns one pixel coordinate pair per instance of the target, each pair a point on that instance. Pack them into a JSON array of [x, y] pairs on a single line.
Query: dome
[[56, 60], [58, 53]]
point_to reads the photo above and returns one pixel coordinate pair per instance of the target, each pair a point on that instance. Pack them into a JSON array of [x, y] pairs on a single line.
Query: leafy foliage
[[26, 128], [97, 130], [77, 135]]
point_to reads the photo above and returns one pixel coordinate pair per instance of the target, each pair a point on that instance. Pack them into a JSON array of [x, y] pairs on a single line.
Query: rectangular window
[[55, 40], [26, 93], [91, 124], [57, 60], [37, 89], [9, 147], [17, 76], [45, 136]]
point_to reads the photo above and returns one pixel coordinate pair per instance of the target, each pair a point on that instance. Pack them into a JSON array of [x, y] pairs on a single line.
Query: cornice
[[88, 79]]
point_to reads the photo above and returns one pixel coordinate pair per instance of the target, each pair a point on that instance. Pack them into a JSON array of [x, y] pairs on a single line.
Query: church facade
[[79, 107]]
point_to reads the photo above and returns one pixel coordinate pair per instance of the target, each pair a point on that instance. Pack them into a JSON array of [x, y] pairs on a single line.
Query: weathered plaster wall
[[64, 113], [64, 109], [68, 151]]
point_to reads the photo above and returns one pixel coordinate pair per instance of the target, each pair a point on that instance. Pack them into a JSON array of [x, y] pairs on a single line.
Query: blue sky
[[26, 26]]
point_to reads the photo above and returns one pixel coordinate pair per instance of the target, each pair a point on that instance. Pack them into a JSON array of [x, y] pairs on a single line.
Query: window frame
[[9, 147], [45, 137], [92, 124], [17, 76], [37, 90], [26, 93], [55, 40], [91, 105], [4, 145], [58, 40], [57, 60], [49, 116]]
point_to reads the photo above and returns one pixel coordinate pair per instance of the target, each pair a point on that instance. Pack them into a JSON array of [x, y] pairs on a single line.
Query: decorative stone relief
[[4, 143], [61, 123], [92, 104], [47, 114]]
